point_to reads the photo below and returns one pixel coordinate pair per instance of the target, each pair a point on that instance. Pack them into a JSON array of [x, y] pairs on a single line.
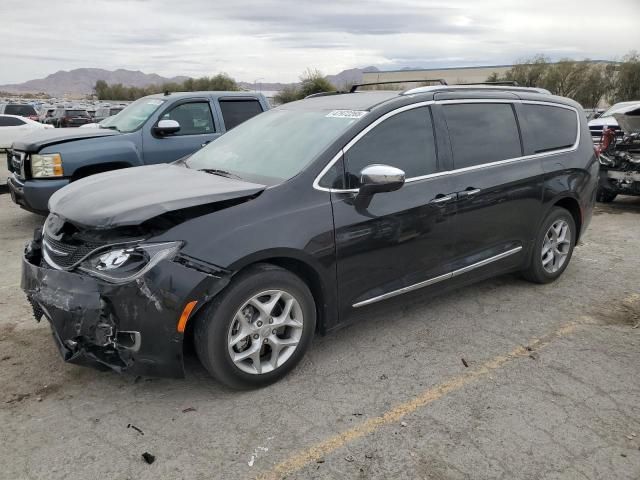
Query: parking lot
[[504, 379]]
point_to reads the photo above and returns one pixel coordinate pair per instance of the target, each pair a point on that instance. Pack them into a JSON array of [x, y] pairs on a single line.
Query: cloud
[[277, 40]]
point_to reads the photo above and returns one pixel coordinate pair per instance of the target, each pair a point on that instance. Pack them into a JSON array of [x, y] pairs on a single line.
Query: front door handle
[[468, 192], [442, 199]]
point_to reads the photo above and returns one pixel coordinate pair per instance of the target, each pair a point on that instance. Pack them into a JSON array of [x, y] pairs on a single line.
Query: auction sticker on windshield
[[347, 114]]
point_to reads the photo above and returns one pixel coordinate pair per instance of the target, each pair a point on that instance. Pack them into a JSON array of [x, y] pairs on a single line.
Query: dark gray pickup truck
[[154, 129]]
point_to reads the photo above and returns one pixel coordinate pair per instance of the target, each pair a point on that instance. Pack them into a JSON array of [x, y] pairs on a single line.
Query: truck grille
[[16, 162], [64, 255]]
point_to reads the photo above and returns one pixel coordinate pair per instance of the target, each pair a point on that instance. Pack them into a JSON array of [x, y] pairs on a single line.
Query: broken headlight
[[124, 264]]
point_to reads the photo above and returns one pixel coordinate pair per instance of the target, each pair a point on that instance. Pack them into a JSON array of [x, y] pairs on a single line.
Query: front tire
[[605, 196], [258, 329], [553, 247]]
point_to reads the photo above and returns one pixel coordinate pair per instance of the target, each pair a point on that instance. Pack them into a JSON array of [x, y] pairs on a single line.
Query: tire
[[605, 196], [219, 324], [536, 271]]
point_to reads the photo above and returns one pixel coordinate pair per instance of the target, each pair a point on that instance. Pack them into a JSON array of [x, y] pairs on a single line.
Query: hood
[[603, 122], [45, 137], [132, 195], [630, 122]]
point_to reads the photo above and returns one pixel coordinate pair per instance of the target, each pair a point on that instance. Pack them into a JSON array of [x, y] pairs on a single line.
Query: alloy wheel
[[265, 331], [556, 246]]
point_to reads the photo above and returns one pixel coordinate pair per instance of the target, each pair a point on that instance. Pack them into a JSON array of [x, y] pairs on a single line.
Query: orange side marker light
[[182, 323]]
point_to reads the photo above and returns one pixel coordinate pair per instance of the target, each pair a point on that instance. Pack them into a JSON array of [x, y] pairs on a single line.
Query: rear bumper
[[128, 328], [33, 195]]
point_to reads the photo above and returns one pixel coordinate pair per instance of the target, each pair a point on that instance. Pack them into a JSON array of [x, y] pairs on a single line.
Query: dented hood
[[43, 138], [132, 195]]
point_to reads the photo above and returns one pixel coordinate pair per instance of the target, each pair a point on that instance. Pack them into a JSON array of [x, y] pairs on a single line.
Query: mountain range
[[82, 80]]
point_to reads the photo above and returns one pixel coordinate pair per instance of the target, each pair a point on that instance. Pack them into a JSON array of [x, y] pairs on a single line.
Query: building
[[451, 75]]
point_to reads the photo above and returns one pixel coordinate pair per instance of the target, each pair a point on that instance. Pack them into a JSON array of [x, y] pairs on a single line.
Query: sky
[[274, 41]]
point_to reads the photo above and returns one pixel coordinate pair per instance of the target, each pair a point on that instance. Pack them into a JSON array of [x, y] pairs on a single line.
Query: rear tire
[[605, 196], [266, 310], [553, 247]]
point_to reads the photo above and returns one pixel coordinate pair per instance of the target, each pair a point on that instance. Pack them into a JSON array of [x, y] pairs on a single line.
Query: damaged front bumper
[[129, 327], [620, 181]]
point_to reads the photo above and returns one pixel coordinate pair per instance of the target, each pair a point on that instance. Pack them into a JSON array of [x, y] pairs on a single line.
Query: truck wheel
[[605, 196], [553, 247], [257, 329]]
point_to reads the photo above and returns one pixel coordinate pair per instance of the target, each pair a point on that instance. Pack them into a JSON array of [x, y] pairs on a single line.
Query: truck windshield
[[133, 116], [273, 146]]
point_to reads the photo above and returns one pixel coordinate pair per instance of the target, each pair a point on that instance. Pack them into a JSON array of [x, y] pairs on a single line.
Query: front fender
[[125, 149]]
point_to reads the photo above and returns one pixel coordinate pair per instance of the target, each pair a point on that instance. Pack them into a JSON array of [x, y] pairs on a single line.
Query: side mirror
[[166, 127], [380, 178]]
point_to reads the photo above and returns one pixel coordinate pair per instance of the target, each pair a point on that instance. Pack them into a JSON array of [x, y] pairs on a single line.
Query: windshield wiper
[[110, 127], [221, 173]]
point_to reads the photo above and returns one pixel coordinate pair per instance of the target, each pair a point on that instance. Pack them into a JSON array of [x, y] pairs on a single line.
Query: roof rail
[[355, 86], [509, 83], [471, 86], [325, 94]]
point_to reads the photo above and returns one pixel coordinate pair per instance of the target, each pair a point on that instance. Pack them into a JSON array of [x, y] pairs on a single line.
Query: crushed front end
[[116, 304], [620, 158]]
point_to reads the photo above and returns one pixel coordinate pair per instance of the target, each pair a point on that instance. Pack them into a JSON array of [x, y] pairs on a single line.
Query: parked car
[[620, 158], [64, 117], [154, 129], [20, 109], [297, 219], [607, 120], [106, 112], [46, 114], [13, 127]]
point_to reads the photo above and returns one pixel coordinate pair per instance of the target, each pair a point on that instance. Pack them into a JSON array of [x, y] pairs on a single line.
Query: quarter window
[[482, 133], [194, 118], [549, 128], [405, 141], [234, 112]]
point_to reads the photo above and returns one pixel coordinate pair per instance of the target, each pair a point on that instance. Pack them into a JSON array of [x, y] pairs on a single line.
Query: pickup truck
[[155, 129]]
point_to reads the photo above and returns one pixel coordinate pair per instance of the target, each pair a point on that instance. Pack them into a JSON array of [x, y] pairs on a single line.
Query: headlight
[[124, 264], [47, 165]]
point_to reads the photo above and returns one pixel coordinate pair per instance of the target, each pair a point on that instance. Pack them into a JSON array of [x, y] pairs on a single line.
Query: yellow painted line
[[302, 458]]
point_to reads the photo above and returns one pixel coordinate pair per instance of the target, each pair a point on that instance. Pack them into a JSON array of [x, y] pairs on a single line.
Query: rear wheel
[[553, 247], [258, 329], [605, 196]]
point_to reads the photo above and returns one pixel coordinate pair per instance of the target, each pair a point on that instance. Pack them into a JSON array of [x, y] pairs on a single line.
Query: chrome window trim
[[438, 279], [574, 147]]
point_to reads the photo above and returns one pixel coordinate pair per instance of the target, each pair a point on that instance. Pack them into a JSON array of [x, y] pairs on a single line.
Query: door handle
[[468, 192], [442, 199]]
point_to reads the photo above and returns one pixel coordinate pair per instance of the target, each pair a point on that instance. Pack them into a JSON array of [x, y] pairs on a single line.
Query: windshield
[[273, 146], [620, 108], [23, 110], [133, 116]]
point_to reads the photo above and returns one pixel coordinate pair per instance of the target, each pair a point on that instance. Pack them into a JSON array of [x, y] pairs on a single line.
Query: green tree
[[529, 72], [289, 93], [626, 82], [313, 81]]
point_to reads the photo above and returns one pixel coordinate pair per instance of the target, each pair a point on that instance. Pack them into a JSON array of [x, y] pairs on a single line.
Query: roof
[[362, 100], [203, 94]]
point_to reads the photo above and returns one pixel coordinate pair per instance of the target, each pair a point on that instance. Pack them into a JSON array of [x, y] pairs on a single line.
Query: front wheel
[[605, 196], [553, 247], [258, 329]]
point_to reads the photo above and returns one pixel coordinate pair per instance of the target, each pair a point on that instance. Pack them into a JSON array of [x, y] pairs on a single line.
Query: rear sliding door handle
[[442, 199], [468, 192]]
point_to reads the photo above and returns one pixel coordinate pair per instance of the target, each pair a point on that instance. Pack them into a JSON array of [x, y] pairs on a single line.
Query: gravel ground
[[551, 390]]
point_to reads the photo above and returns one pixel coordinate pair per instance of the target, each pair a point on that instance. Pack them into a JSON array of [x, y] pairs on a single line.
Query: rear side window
[[23, 110], [10, 122], [405, 141], [482, 133], [549, 128], [234, 112]]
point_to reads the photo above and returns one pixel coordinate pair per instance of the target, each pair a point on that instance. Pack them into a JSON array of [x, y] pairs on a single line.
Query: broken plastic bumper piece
[[129, 326]]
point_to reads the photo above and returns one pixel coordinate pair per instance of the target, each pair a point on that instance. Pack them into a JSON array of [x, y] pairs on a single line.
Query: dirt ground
[[551, 390]]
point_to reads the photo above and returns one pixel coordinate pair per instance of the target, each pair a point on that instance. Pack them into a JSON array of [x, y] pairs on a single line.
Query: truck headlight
[[46, 165], [126, 263]]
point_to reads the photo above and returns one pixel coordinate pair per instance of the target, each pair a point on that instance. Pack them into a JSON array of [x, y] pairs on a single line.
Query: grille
[[65, 255]]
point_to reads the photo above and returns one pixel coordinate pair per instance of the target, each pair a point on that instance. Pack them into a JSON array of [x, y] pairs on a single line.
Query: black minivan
[[287, 224]]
